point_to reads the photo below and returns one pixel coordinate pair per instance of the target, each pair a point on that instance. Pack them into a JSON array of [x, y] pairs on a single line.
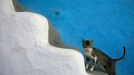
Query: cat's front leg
[[87, 63], [93, 63]]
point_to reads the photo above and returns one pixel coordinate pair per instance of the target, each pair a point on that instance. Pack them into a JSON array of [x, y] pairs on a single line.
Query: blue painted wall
[[110, 23]]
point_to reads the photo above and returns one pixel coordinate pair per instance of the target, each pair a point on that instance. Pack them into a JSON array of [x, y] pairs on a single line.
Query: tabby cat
[[98, 57]]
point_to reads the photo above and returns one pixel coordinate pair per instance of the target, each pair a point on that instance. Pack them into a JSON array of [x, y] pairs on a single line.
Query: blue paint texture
[[110, 23]]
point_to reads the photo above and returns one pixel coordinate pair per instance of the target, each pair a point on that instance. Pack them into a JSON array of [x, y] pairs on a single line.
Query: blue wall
[[110, 23]]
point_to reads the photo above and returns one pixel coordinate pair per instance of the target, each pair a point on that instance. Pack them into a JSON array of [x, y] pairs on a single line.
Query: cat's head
[[87, 43]]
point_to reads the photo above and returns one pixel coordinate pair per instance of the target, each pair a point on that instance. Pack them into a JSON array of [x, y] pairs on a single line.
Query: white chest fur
[[88, 51]]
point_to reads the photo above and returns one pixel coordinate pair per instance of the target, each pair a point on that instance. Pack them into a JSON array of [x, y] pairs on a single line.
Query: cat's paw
[[91, 69]]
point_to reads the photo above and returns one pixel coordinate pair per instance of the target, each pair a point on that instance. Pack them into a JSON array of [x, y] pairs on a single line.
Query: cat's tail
[[122, 55]]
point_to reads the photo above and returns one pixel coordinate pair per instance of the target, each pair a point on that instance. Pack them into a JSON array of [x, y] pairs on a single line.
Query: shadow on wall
[[54, 37]]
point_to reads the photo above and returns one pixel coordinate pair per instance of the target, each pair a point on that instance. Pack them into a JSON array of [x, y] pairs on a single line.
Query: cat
[[107, 63]]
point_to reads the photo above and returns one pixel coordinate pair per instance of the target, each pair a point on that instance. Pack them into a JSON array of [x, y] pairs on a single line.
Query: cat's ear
[[83, 40]]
